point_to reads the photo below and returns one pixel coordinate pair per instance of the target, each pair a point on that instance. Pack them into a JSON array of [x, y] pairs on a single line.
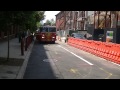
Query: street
[[61, 61]]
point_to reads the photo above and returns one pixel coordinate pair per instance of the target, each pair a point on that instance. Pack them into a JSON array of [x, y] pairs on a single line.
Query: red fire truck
[[46, 34]]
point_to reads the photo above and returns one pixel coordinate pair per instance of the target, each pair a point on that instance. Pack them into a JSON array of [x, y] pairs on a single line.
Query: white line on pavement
[[111, 62], [76, 55]]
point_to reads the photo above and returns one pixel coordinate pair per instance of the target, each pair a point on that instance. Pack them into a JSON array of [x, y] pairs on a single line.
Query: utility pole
[[70, 18], [117, 12], [94, 18], [105, 18], [98, 19], [110, 19], [64, 19], [75, 20]]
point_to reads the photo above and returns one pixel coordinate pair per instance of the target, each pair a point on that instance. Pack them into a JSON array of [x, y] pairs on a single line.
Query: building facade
[[60, 21], [72, 20], [95, 22]]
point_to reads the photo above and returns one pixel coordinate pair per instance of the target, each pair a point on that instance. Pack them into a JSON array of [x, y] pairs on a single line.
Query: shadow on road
[[39, 66], [45, 43]]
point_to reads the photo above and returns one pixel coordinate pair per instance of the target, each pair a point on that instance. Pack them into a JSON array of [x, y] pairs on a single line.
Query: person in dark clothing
[[67, 38], [85, 36], [19, 36], [23, 34]]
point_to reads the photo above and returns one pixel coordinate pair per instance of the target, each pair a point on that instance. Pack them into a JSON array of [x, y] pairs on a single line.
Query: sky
[[49, 15]]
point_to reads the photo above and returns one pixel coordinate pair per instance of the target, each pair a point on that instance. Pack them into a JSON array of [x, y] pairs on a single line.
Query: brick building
[[71, 20], [60, 20], [95, 22]]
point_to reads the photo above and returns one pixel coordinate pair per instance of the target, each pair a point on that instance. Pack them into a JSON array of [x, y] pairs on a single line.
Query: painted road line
[[76, 55], [109, 74], [111, 62]]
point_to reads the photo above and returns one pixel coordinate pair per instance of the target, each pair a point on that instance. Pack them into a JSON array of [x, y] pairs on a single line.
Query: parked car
[[77, 35]]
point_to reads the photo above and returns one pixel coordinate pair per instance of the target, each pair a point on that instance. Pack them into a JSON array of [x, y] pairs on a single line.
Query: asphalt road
[[61, 61]]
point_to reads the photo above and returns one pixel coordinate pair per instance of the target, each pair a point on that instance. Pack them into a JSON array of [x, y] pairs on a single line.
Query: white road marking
[[115, 63], [111, 62], [77, 56], [109, 74]]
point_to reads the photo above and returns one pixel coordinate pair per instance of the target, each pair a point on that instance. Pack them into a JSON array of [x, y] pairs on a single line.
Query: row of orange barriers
[[109, 51]]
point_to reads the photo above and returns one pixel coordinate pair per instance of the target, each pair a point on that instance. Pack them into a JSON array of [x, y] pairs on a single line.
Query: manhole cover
[[48, 60]]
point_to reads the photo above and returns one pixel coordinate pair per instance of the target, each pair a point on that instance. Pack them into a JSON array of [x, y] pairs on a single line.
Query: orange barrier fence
[[109, 51]]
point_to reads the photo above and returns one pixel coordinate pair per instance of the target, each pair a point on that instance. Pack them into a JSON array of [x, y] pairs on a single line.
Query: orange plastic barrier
[[109, 51]]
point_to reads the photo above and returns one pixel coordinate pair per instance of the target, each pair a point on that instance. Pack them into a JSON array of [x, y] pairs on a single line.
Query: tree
[[48, 22], [39, 24], [22, 19], [52, 22]]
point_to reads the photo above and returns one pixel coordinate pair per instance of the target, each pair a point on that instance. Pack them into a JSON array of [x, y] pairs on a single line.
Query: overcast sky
[[50, 15]]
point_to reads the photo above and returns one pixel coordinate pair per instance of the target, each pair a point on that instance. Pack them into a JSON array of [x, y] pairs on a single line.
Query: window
[[44, 29], [52, 29]]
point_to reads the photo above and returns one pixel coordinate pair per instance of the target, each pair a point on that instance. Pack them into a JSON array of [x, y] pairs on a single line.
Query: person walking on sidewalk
[[20, 36], [23, 35], [67, 38]]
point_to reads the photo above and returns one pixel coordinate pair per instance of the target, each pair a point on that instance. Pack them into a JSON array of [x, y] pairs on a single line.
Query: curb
[[23, 67], [61, 42]]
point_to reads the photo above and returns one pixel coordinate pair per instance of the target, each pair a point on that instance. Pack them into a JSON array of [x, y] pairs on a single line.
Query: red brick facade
[[60, 20]]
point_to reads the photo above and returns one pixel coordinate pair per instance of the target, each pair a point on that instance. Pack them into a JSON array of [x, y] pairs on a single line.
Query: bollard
[[22, 47]]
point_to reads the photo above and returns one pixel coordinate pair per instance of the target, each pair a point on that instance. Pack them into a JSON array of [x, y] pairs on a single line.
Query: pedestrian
[[19, 36], [32, 36], [23, 36], [85, 36], [67, 38]]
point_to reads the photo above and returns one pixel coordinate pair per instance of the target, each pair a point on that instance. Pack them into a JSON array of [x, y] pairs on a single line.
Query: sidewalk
[[15, 67]]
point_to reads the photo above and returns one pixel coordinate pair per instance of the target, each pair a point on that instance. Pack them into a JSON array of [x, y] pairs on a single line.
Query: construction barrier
[[109, 51]]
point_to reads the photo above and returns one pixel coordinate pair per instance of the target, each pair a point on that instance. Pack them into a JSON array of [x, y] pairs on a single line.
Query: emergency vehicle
[[46, 34]]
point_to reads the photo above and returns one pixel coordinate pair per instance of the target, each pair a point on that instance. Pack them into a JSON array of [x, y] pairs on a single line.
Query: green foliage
[[39, 24], [24, 19], [50, 22]]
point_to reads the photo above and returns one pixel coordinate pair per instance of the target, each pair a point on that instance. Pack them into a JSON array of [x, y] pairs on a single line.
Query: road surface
[[61, 61]]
